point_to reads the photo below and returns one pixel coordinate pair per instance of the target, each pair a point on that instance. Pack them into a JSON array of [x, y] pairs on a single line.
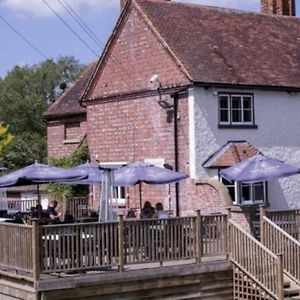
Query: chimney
[[279, 7]]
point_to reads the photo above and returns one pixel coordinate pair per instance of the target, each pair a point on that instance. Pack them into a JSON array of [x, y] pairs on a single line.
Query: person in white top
[[160, 212]]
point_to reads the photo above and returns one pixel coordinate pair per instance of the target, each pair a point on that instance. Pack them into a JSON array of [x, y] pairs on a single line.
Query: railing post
[[228, 242], [199, 236], [36, 251], [121, 243], [262, 214], [280, 287]]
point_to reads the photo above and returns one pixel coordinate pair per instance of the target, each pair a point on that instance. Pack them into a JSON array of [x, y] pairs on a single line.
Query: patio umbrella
[[91, 170], [38, 174], [258, 168], [139, 172]]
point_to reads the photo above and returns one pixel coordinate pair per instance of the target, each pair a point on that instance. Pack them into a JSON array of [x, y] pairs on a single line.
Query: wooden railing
[[22, 205], [256, 261], [77, 207], [16, 247], [78, 246], [159, 240], [287, 220], [89, 246], [279, 241]]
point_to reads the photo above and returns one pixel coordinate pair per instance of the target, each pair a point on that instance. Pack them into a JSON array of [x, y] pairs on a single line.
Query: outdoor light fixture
[[164, 104]]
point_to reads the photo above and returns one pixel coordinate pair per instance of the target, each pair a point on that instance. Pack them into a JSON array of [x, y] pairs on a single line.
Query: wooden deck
[[129, 258]]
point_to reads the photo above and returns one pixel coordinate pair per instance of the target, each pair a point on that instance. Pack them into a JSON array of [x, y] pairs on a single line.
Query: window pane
[[258, 191], [236, 116], [224, 116], [224, 102], [236, 102], [224, 109], [246, 192], [236, 105], [247, 102], [231, 188], [247, 115]]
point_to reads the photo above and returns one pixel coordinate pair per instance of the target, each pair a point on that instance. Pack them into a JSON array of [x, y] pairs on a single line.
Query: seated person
[[160, 212], [39, 214], [52, 213], [131, 213], [147, 211]]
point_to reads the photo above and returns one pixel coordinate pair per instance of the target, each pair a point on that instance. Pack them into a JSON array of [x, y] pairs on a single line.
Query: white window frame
[[238, 200], [230, 97]]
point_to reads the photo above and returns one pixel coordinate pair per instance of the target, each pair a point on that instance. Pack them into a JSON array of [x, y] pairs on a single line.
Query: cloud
[[37, 8]]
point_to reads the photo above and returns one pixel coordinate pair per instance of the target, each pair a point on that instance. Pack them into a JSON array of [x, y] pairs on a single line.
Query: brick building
[[198, 88]]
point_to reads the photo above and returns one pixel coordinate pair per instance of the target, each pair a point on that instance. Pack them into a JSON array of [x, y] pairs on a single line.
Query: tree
[[5, 138], [58, 191], [25, 94]]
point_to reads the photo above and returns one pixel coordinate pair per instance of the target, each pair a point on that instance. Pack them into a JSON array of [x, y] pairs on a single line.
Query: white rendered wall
[[277, 116]]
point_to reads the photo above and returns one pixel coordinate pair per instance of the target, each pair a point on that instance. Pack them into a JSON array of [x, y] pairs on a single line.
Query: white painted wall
[[277, 115]]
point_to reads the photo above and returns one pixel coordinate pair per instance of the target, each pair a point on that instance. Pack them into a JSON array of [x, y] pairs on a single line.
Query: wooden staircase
[[291, 289]]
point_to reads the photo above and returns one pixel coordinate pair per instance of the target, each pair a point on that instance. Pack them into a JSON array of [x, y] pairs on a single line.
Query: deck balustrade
[[59, 248]]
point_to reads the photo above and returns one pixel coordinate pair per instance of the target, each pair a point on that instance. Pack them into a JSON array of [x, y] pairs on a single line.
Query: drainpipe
[[175, 97]]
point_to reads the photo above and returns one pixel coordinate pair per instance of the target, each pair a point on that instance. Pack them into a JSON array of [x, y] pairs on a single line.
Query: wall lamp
[[163, 103]]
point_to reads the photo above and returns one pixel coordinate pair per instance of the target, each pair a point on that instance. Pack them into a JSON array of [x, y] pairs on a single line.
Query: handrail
[[255, 260], [277, 240]]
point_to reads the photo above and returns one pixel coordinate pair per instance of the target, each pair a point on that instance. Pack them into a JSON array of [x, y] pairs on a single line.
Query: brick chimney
[[123, 3], [279, 7]]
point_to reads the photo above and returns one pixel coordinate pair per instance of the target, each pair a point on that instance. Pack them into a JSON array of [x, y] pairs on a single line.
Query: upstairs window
[[236, 109]]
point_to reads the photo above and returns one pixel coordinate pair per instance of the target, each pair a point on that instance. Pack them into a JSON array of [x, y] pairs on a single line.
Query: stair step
[[291, 292], [286, 284]]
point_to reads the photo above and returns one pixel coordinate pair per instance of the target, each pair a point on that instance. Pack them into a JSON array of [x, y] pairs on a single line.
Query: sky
[[39, 25]]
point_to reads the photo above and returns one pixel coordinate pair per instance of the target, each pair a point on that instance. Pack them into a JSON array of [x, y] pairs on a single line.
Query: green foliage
[[25, 94], [58, 191], [5, 138]]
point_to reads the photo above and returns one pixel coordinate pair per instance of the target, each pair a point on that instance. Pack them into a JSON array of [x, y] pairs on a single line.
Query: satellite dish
[[63, 86]]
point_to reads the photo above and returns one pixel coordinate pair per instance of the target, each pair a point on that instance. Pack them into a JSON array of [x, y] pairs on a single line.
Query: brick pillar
[[279, 7]]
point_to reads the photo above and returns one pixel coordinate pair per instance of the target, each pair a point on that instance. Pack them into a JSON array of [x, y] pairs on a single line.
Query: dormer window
[[236, 110]]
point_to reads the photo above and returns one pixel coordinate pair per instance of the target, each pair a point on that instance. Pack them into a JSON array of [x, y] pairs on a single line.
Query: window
[[236, 109], [247, 193]]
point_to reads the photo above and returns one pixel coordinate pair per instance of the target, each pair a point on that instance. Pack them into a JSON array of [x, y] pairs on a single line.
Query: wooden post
[[36, 251], [280, 291], [262, 214], [121, 243], [199, 236], [228, 242]]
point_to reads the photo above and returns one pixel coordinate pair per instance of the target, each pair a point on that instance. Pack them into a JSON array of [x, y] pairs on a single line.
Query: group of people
[[49, 216], [149, 212]]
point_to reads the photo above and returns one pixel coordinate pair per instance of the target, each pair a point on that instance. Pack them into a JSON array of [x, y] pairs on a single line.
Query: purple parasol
[[258, 168]]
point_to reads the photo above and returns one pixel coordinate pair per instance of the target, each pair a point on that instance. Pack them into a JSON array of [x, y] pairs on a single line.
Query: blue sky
[[35, 21]]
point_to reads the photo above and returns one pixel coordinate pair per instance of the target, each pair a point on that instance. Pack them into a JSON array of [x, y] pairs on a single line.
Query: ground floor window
[[246, 193]]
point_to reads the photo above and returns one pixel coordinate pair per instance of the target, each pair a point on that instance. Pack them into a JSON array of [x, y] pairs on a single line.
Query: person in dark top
[[147, 211], [54, 217], [39, 214]]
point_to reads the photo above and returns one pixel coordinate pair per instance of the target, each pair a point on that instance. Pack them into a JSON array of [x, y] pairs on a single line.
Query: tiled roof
[[226, 46], [230, 154], [68, 102]]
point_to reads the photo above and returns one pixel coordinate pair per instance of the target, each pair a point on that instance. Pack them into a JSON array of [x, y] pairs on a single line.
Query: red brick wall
[[57, 145], [134, 58], [136, 129]]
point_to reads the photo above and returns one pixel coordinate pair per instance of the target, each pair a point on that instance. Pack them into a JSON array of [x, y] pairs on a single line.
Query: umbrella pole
[[38, 193], [140, 190]]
